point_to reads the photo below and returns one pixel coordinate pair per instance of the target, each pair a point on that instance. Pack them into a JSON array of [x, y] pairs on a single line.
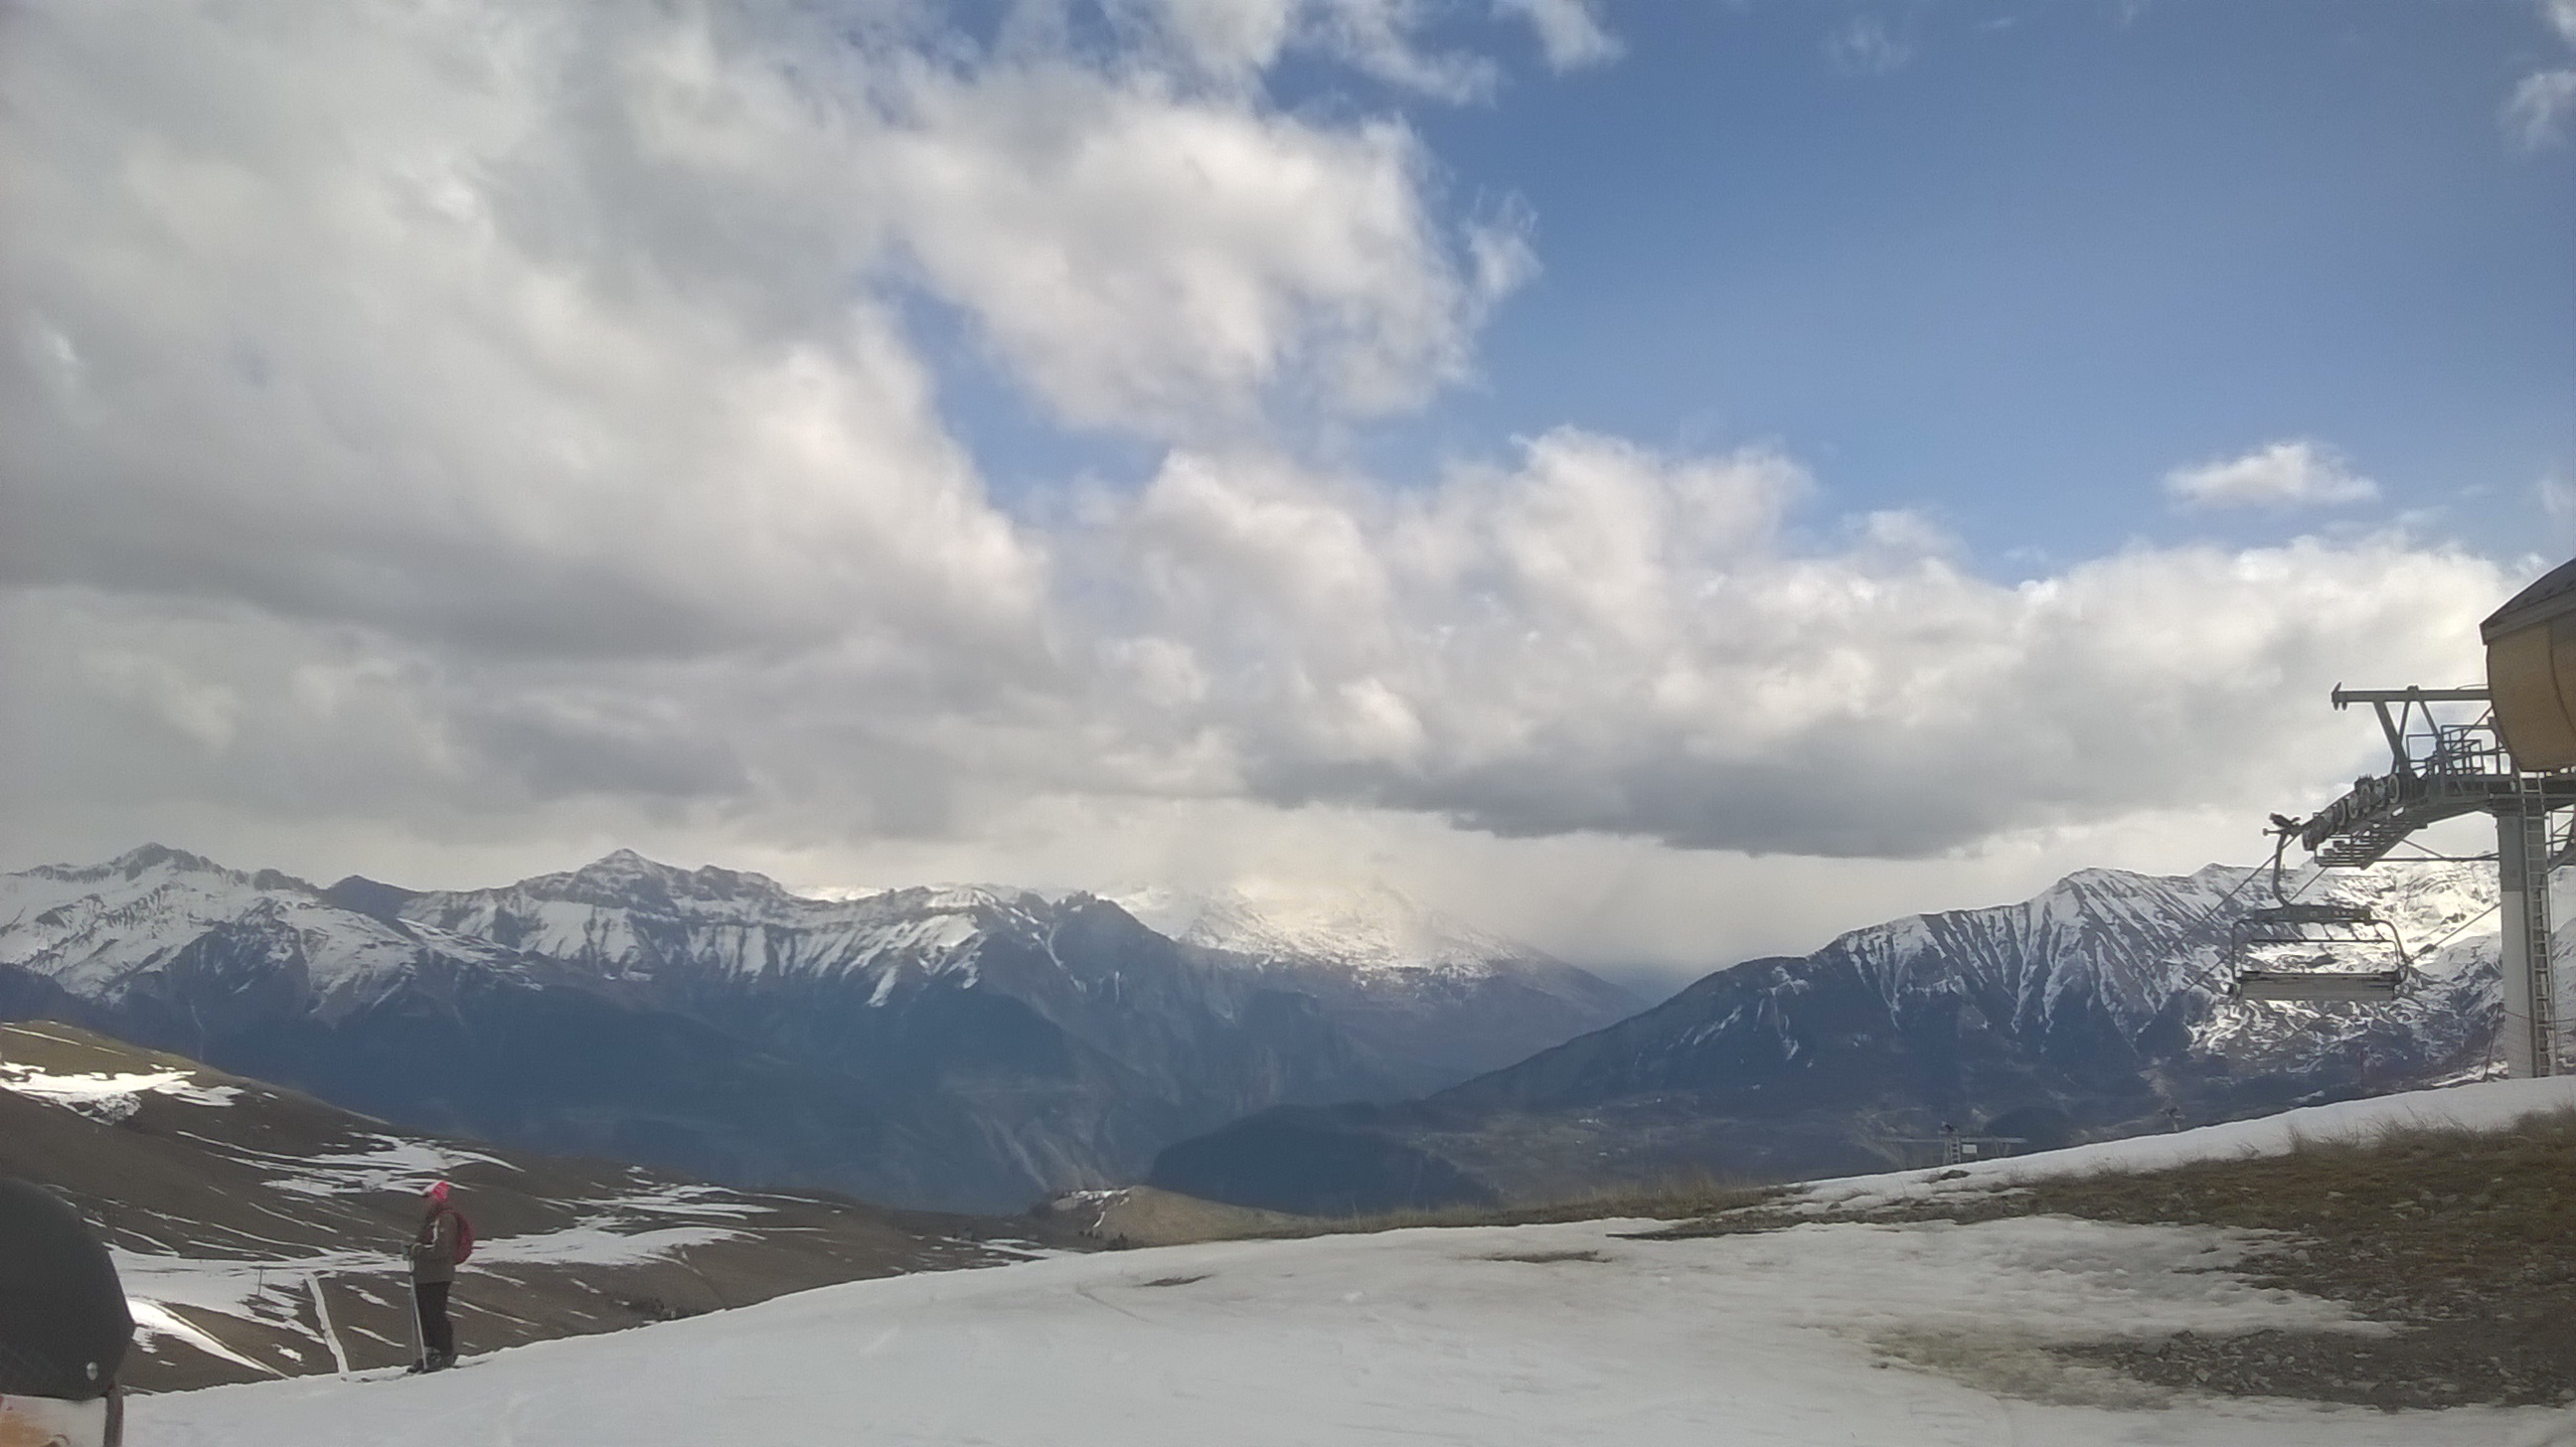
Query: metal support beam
[[2346, 697], [2530, 996]]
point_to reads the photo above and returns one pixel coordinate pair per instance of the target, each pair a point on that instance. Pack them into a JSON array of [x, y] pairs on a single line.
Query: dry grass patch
[[2465, 1239], [1688, 1198], [2468, 1238]]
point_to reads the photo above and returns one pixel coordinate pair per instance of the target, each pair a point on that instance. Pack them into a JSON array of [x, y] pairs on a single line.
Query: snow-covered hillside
[[2485, 1105], [2125, 945], [1917, 1335], [259, 1232]]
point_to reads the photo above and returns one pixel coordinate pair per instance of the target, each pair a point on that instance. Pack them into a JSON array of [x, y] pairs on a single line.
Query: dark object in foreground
[[63, 1322]]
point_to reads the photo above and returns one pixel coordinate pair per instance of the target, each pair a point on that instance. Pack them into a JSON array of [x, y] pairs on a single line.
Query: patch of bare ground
[[1693, 1199], [2467, 1240], [2463, 1240], [1543, 1258], [1147, 1216]]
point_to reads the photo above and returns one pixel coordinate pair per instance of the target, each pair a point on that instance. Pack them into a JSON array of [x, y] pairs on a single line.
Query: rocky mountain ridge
[[2092, 1009], [966, 1047]]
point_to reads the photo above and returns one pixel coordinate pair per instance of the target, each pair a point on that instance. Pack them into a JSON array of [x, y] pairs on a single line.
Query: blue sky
[[2041, 256]]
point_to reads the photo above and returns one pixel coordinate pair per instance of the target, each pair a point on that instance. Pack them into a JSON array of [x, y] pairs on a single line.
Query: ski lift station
[[2507, 750]]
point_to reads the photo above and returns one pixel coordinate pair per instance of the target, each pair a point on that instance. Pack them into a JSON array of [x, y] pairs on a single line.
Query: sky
[[1667, 481]]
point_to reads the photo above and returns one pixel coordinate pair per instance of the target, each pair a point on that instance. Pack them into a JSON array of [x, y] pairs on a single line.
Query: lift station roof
[[2531, 671]]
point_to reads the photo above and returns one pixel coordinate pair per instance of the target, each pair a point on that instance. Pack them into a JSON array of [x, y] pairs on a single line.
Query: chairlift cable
[[2462, 925]]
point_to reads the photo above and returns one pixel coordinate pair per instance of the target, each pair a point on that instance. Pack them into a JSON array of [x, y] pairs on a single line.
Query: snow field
[[1929, 1334], [106, 1096], [2479, 1105]]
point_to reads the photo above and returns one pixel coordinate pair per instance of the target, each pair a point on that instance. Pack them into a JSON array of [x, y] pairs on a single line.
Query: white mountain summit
[[1369, 927]]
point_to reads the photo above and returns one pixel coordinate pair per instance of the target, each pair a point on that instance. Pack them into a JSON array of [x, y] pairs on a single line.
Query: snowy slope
[[258, 1232], [1909, 1336], [2478, 1106], [2126, 945]]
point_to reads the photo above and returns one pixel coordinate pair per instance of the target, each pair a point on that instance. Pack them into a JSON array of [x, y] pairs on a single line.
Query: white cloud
[[2561, 15], [2280, 475], [1605, 639], [1143, 265], [1867, 46], [576, 330], [1570, 35], [2557, 498], [2536, 114], [1379, 38]]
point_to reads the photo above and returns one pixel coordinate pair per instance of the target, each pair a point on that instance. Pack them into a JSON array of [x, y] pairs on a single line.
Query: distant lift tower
[[2513, 760]]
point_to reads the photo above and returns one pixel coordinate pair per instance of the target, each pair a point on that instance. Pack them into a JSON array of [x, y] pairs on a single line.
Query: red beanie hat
[[438, 1193]]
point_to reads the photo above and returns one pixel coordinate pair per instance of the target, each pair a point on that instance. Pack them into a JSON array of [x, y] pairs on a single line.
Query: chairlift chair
[[2299, 951]]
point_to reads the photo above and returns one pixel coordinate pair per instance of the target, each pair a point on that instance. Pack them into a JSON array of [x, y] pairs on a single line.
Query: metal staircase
[[2364, 846], [2531, 816]]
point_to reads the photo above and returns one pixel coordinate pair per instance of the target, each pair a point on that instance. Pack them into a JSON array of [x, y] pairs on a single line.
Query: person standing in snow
[[433, 1271]]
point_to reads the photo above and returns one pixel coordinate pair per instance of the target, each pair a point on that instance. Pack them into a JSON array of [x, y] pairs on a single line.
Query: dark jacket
[[433, 1251]]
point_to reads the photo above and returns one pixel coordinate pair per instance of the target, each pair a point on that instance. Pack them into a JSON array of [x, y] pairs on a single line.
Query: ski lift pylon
[[2299, 950]]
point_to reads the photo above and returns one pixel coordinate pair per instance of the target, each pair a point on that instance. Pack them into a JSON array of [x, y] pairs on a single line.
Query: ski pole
[[419, 1344]]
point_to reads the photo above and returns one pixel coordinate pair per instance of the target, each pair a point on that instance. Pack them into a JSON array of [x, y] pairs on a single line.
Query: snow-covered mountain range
[[979, 1047], [2094, 1008], [971, 1047]]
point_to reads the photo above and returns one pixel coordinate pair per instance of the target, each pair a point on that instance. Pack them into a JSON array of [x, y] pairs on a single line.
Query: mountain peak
[[372, 898], [623, 872], [134, 861], [623, 864]]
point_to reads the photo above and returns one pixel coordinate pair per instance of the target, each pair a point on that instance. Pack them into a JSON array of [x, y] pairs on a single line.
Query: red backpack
[[464, 1235]]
